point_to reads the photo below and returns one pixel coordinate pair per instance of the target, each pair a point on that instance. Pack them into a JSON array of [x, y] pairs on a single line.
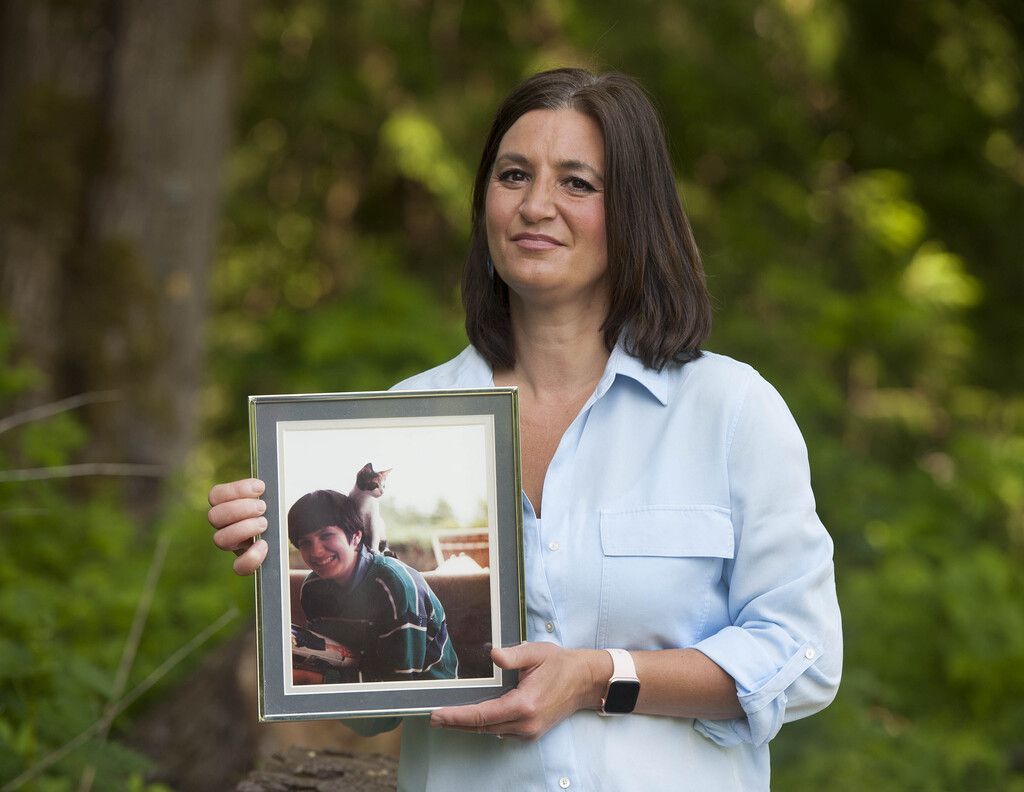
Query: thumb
[[521, 656]]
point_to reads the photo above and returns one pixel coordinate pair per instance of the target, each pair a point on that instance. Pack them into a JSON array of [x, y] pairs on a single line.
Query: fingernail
[[262, 523], [256, 486], [261, 506]]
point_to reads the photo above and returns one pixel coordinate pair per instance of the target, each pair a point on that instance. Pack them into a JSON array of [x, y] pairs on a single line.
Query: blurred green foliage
[[408, 526], [72, 570], [855, 174]]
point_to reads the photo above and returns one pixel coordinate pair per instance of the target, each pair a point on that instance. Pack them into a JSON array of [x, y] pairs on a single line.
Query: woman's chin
[[551, 293]]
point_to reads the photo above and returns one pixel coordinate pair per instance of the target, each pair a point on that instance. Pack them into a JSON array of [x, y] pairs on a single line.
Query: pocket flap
[[667, 531]]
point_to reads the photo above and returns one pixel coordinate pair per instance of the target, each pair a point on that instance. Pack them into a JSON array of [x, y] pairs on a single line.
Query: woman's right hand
[[236, 513]]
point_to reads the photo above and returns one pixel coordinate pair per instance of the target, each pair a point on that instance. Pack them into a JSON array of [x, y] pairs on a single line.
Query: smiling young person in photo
[[369, 602], [676, 571]]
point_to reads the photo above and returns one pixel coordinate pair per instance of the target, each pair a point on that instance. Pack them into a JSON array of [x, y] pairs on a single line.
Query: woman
[[668, 509]]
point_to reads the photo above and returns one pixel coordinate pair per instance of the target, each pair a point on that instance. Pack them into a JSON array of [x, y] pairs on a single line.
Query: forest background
[[205, 200]]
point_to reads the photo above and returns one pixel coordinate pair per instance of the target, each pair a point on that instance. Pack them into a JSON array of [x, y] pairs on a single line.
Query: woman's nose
[[538, 202]]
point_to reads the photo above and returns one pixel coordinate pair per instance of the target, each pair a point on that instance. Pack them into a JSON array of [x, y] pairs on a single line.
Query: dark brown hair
[[320, 509], [659, 303]]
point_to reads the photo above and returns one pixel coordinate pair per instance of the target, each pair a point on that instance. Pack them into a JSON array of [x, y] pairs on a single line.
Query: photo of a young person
[[372, 610]]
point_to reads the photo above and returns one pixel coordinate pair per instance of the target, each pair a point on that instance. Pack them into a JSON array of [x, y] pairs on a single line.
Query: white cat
[[369, 487]]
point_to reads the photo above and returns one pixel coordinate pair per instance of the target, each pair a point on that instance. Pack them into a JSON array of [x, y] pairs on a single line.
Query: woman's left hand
[[553, 684]]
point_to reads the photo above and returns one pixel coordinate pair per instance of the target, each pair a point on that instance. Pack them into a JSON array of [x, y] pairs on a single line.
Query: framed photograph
[[395, 558]]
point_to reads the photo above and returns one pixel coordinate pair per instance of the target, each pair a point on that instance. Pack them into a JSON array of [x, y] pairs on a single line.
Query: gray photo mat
[[271, 590]]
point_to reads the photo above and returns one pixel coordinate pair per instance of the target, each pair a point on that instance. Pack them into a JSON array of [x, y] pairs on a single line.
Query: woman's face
[[330, 553], [545, 209]]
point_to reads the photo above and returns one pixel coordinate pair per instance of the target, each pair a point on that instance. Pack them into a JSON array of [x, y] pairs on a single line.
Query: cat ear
[[367, 468], [384, 473]]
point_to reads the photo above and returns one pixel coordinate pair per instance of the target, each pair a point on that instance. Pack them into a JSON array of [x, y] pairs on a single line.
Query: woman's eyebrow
[[570, 164]]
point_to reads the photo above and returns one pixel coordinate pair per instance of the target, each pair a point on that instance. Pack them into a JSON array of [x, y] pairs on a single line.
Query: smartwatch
[[623, 687]]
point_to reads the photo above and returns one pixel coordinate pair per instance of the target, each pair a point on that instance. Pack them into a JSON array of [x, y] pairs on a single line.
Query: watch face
[[621, 697]]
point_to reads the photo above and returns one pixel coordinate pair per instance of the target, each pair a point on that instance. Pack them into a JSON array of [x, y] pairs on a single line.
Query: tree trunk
[[114, 122]]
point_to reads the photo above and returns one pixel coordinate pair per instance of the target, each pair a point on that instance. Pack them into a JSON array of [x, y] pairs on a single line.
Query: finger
[[476, 717], [224, 514], [232, 536], [509, 730], [516, 729], [249, 561], [524, 655], [233, 490]]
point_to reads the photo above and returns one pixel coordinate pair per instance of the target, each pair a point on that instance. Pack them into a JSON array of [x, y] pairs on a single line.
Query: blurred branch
[[84, 469], [155, 676], [44, 411], [131, 646]]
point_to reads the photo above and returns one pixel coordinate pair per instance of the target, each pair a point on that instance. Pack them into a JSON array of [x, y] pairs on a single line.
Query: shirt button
[[552, 546], [550, 628], [564, 782], [809, 654]]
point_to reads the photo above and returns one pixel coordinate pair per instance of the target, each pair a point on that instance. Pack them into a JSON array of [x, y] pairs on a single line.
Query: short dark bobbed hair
[[659, 304], [319, 509]]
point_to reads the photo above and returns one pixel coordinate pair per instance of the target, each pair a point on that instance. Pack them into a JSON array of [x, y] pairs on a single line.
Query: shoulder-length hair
[[659, 304]]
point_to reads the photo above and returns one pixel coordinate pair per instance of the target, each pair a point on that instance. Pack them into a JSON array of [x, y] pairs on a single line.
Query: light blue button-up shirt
[[677, 513]]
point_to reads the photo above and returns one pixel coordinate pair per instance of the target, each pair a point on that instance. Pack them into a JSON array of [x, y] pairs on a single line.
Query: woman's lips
[[535, 242]]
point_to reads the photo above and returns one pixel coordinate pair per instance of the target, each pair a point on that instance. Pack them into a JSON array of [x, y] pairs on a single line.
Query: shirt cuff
[[761, 682]]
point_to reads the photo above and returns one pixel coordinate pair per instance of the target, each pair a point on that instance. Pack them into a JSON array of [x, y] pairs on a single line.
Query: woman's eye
[[580, 185], [512, 175]]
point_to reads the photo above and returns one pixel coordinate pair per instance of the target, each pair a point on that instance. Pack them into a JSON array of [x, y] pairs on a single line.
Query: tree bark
[[116, 118], [51, 64]]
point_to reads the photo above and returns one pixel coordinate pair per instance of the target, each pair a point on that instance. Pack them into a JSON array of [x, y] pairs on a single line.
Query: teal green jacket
[[388, 615]]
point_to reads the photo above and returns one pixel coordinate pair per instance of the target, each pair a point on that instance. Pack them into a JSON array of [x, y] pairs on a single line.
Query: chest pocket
[[661, 567]]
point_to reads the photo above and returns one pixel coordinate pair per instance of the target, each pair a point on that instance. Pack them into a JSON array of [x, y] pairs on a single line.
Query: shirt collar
[[474, 371], [621, 362]]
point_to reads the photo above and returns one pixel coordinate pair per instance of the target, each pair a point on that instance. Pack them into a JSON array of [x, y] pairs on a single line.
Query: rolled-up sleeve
[[784, 647]]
